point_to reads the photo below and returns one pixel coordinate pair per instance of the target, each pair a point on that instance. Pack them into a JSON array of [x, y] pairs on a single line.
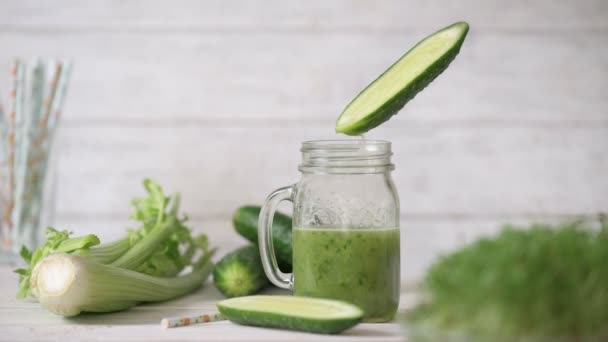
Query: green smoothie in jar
[[345, 236], [357, 265]]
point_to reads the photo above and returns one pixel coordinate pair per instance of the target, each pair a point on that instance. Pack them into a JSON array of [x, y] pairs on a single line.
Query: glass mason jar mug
[[345, 227]]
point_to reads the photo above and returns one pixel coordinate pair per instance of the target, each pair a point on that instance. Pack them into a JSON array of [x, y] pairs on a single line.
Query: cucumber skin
[[245, 221], [395, 104], [247, 258], [272, 320]]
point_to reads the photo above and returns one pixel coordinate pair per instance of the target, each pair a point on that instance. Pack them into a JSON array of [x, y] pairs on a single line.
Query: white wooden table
[[27, 321]]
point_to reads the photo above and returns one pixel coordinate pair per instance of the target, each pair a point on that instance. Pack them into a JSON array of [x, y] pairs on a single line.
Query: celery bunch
[[70, 275]]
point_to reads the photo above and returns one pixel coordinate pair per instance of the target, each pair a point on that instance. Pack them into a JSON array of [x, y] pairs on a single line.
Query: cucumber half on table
[[385, 96], [324, 316]]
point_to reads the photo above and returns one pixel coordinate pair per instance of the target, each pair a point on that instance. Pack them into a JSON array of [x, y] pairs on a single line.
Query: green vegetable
[[161, 247], [385, 96], [164, 239], [56, 242], [240, 273], [323, 316], [245, 221], [67, 285], [540, 283]]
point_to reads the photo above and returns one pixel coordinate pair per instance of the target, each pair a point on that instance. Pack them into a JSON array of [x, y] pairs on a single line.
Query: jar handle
[[269, 260]]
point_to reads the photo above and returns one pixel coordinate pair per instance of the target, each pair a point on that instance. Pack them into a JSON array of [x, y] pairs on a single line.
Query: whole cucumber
[[240, 273], [245, 221]]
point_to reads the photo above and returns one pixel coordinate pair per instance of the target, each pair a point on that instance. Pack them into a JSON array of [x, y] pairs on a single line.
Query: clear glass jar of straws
[[28, 127]]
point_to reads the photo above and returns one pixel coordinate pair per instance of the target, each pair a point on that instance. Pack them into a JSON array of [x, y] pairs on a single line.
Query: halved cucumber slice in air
[[323, 316], [385, 96]]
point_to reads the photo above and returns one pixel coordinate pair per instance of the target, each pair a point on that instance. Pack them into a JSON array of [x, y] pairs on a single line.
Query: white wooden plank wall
[[212, 99]]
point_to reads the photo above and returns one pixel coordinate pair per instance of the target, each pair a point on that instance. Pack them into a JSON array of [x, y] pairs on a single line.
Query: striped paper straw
[[2, 133], [40, 141], [39, 68], [36, 101], [34, 71], [2, 113], [50, 98], [174, 322], [47, 126], [16, 107], [3, 165], [3, 152], [58, 99]]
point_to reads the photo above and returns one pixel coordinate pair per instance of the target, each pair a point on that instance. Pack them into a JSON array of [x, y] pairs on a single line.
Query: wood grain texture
[[488, 171], [213, 98], [27, 321], [315, 15], [219, 78]]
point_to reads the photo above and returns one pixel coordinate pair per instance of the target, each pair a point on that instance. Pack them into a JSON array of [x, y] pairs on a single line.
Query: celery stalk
[[68, 284], [142, 250], [108, 252]]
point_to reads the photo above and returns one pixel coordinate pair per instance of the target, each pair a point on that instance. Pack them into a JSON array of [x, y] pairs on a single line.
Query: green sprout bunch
[[537, 283]]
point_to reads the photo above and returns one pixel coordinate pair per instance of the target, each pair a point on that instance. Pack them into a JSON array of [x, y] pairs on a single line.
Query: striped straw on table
[[174, 322]]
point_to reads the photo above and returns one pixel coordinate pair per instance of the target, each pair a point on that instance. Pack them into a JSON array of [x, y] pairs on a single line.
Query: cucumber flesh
[[385, 96], [316, 315], [240, 273]]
